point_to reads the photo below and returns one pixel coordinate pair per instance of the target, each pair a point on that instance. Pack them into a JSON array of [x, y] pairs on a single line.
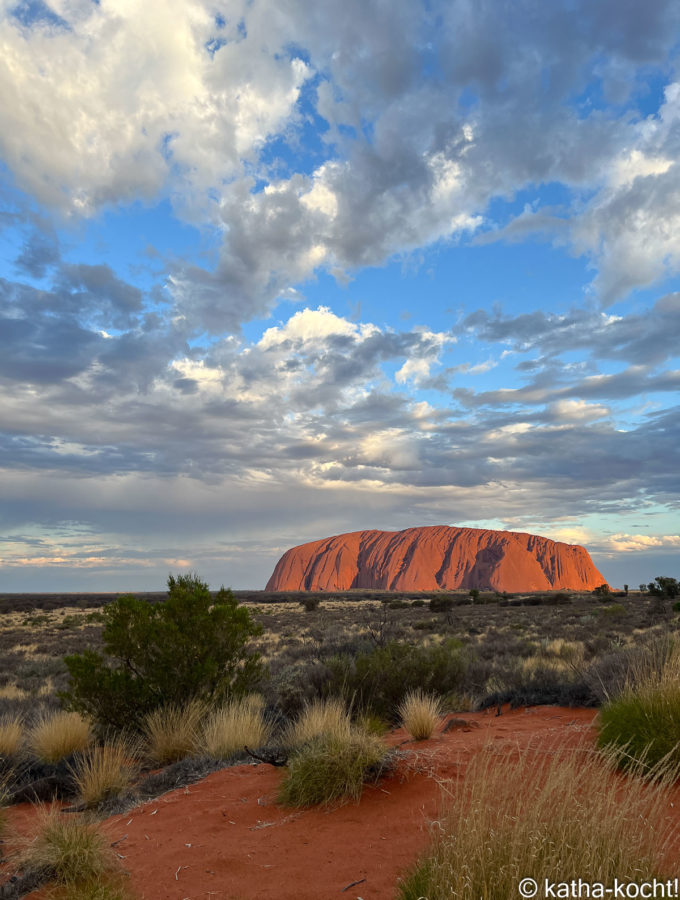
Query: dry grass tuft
[[59, 734], [11, 737], [502, 824], [332, 768], [419, 713], [69, 851], [320, 717], [173, 732], [236, 725], [105, 771]]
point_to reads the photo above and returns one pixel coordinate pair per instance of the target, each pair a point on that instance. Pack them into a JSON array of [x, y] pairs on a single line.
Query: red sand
[[226, 838], [433, 557]]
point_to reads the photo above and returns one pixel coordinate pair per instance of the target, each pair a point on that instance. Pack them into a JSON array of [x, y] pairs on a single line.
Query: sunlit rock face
[[439, 556]]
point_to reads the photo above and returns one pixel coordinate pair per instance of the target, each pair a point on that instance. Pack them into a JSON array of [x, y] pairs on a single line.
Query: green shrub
[[644, 726], [310, 602], [332, 768], [613, 610], [189, 647], [641, 721], [377, 682], [418, 602], [442, 604], [664, 587]]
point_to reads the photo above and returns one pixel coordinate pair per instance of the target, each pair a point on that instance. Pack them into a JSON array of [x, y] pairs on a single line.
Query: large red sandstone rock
[[423, 559]]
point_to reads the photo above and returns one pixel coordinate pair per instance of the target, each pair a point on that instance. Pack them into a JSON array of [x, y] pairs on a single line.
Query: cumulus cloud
[[635, 543], [97, 114]]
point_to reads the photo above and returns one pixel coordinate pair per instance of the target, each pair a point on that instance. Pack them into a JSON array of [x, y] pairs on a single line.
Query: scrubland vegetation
[[92, 701]]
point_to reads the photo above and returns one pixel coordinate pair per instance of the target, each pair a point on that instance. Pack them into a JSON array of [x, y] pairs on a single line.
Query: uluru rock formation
[[438, 556]]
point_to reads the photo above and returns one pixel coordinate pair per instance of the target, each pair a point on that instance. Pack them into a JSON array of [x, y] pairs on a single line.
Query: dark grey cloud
[[632, 382], [95, 293], [647, 337], [39, 253]]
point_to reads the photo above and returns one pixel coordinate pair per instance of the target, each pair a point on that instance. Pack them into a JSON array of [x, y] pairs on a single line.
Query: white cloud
[[129, 95], [636, 165], [415, 370], [578, 410], [635, 543], [312, 325]]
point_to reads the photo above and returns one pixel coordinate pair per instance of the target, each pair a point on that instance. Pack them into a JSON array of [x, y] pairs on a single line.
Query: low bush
[[105, 771], [310, 602], [441, 604], [419, 714], [629, 668], [332, 768], [502, 825], [57, 735], [547, 682], [376, 682], [234, 726], [614, 610], [172, 732]]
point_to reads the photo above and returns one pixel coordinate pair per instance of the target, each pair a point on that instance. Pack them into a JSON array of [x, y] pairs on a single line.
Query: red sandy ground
[[226, 838]]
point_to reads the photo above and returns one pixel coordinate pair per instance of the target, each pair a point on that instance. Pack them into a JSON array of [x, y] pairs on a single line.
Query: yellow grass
[[234, 726], [561, 815], [172, 732], [59, 734], [319, 718], [11, 736], [12, 692], [105, 771], [419, 713]]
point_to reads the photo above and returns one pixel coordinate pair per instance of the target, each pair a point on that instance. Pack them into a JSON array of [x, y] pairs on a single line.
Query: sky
[[273, 270]]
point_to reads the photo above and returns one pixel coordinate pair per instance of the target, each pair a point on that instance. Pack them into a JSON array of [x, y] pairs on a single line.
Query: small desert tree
[[191, 646], [664, 587]]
